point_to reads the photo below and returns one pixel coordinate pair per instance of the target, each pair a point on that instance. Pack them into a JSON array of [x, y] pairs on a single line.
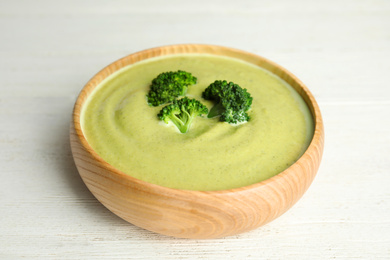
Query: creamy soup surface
[[125, 131]]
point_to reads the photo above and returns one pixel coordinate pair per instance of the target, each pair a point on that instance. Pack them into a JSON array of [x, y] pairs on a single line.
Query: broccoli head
[[231, 101], [182, 112], [167, 86]]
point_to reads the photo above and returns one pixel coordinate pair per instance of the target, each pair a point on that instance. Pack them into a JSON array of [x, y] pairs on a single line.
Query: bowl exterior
[[195, 214]]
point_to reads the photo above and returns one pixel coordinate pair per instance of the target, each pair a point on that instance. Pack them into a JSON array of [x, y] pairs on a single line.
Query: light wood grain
[[195, 214], [48, 51]]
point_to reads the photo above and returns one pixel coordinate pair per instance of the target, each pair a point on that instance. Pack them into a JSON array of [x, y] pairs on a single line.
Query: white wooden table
[[49, 49]]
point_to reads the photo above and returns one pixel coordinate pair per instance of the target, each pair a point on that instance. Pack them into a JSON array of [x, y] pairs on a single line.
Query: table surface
[[50, 49]]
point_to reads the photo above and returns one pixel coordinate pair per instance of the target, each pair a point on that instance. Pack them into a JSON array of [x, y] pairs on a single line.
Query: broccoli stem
[[182, 112], [216, 110], [182, 122], [185, 121], [177, 121]]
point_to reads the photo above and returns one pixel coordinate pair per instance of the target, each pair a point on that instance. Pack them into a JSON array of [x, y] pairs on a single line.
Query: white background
[[50, 49]]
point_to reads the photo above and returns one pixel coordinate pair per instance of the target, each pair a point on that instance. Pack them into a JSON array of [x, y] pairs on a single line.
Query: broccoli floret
[[231, 101], [182, 112], [167, 86]]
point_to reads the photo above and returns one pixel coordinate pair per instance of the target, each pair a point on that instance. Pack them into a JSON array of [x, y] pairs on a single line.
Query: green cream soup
[[126, 132]]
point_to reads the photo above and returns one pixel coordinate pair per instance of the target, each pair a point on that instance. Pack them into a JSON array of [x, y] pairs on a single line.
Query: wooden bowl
[[195, 214]]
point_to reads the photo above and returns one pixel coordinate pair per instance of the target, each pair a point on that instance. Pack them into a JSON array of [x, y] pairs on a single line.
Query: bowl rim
[[93, 83]]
